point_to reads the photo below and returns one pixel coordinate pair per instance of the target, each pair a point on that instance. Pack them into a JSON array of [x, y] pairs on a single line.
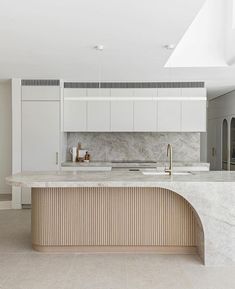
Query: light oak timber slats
[[112, 217]]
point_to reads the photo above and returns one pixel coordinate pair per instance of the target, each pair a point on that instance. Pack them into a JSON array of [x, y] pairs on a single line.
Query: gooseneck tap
[[169, 155]]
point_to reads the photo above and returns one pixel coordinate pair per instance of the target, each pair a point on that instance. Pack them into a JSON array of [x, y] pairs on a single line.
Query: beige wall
[[5, 134]]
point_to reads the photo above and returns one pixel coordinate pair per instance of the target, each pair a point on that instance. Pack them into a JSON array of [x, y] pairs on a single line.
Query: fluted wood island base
[[114, 220]]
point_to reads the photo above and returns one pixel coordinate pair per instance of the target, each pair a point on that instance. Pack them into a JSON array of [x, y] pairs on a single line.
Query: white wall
[[5, 134]]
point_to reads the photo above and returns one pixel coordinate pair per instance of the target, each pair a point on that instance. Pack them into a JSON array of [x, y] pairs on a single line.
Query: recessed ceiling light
[[169, 46], [99, 47]]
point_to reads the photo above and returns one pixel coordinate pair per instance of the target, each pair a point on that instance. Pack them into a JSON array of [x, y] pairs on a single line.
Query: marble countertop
[[134, 164], [115, 178]]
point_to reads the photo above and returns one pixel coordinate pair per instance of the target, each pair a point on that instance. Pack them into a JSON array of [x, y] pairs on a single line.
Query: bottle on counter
[[87, 157]]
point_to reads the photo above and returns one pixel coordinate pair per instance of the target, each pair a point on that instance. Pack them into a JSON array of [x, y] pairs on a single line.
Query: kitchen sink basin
[[162, 173]]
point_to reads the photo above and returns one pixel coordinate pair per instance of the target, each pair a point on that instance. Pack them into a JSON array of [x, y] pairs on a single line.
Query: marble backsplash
[[123, 146]]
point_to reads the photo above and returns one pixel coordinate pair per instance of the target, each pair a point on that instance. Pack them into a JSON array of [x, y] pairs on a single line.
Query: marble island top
[[114, 178], [211, 194]]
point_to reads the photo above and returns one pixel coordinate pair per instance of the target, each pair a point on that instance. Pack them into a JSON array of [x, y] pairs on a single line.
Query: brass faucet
[[169, 154]]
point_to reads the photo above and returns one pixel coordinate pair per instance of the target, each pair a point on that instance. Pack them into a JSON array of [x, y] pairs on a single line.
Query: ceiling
[[55, 39]]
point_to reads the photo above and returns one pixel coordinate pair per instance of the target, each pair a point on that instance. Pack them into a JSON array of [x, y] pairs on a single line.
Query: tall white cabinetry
[[40, 130]]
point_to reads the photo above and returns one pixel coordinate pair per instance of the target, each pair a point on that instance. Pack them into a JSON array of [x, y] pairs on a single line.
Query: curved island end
[[122, 211]]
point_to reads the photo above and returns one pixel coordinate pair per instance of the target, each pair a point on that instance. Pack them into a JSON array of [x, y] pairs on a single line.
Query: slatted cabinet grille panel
[[111, 217]]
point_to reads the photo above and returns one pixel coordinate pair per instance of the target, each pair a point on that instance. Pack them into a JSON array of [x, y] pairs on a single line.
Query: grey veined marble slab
[[211, 194], [122, 146]]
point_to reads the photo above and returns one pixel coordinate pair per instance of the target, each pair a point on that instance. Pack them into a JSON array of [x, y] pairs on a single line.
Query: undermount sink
[[162, 173]]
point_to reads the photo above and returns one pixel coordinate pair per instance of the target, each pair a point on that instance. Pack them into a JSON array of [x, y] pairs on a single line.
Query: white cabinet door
[[40, 92], [169, 115], [122, 115], [193, 92], [75, 115], [98, 115], [75, 92], [169, 92], [194, 115], [40, 138], [122, 92], [98, 92], [145, 115]]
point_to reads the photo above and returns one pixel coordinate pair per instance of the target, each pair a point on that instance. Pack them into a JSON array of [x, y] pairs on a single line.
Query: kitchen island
[[126, 211]]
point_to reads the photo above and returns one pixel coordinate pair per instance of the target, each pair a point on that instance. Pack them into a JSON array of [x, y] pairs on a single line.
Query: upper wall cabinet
[[122, 115], [98, 92], [98, 115], [194, 115], [193, 92], [146, 93], [98, 109], [169, 92], [75, 110], [74, 93], [135, 109], [145, 115], [122, 92], [169, 115], [75, 115]]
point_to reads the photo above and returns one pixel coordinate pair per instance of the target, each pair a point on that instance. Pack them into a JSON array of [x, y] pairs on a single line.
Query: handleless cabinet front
[[75, 115], [145, 115], [169, 115], [122, 115], [75, 110], [194, 115], [98, 115]]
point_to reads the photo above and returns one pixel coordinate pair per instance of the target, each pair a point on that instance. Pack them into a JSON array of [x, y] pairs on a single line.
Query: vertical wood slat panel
[[111, 217]]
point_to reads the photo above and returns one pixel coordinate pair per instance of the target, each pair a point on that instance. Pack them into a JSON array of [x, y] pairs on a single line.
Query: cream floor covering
[[23, 268]]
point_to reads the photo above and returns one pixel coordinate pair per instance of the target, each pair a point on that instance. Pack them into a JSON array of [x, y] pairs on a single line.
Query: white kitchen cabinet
[[122, 115], [145, 115], [145, 92], [40, 93], [193, 116], [193, 92], [75, 115], [122, 92], [169, 92], [40, 138], [98, 115], [75, 92], [169, 115], [127, 109], [98, 92]]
